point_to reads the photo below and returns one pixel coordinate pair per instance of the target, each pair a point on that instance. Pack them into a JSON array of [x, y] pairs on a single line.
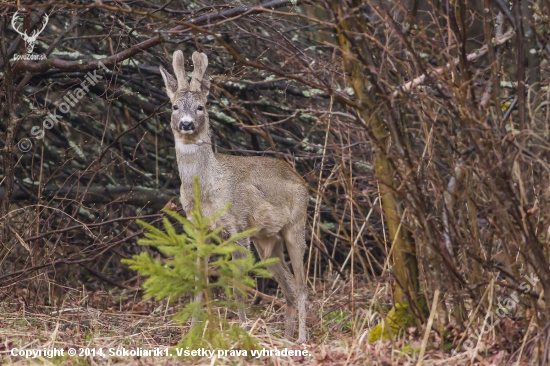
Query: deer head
[[29, 40], [189, 117]]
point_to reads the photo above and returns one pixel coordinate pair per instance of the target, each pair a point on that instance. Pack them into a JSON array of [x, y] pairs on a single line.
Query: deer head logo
[[29, 39]]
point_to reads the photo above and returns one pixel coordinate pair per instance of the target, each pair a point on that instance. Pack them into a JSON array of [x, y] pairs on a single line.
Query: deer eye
[[200, 108], [175, 107]]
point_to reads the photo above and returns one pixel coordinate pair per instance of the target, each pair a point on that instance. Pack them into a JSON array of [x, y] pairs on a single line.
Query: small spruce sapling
[[187, 270]]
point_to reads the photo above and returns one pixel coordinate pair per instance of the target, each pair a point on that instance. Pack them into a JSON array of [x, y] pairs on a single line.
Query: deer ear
[[170, 82], [179, 69], [200, 63]]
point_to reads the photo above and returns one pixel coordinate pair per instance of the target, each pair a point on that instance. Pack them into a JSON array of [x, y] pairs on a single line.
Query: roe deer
[[265, 193]]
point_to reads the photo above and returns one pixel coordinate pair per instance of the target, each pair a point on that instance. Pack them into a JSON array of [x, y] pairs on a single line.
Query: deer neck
[[194, 160]]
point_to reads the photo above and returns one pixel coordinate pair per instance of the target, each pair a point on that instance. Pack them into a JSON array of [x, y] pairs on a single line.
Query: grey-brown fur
[[265, 193]]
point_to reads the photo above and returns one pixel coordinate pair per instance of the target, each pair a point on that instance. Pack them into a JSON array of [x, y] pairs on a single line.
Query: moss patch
[[399, 317]]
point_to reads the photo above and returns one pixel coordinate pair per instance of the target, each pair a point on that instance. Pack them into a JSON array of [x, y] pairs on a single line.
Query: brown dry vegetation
[[116, 318], [420, 126]]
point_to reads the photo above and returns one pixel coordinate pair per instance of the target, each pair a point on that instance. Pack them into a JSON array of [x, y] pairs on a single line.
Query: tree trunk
[[403, 253]]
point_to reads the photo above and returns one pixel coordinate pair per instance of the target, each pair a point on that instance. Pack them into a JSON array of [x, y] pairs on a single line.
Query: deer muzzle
[[187, 126]]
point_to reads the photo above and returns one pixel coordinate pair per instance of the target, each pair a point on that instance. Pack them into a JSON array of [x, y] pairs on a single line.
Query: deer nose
[[187, 126]]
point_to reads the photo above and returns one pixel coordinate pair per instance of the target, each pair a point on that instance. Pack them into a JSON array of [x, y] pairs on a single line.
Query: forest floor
[[90, 321]]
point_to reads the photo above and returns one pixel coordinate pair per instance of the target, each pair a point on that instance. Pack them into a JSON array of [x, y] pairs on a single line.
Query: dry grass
[[118, 319]]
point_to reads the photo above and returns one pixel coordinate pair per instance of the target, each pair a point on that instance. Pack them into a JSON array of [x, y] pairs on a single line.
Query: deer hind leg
[[272, 247], [294, 235]]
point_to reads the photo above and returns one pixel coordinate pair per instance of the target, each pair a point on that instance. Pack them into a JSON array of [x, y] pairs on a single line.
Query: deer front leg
[[238, 296], [198, 294]]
